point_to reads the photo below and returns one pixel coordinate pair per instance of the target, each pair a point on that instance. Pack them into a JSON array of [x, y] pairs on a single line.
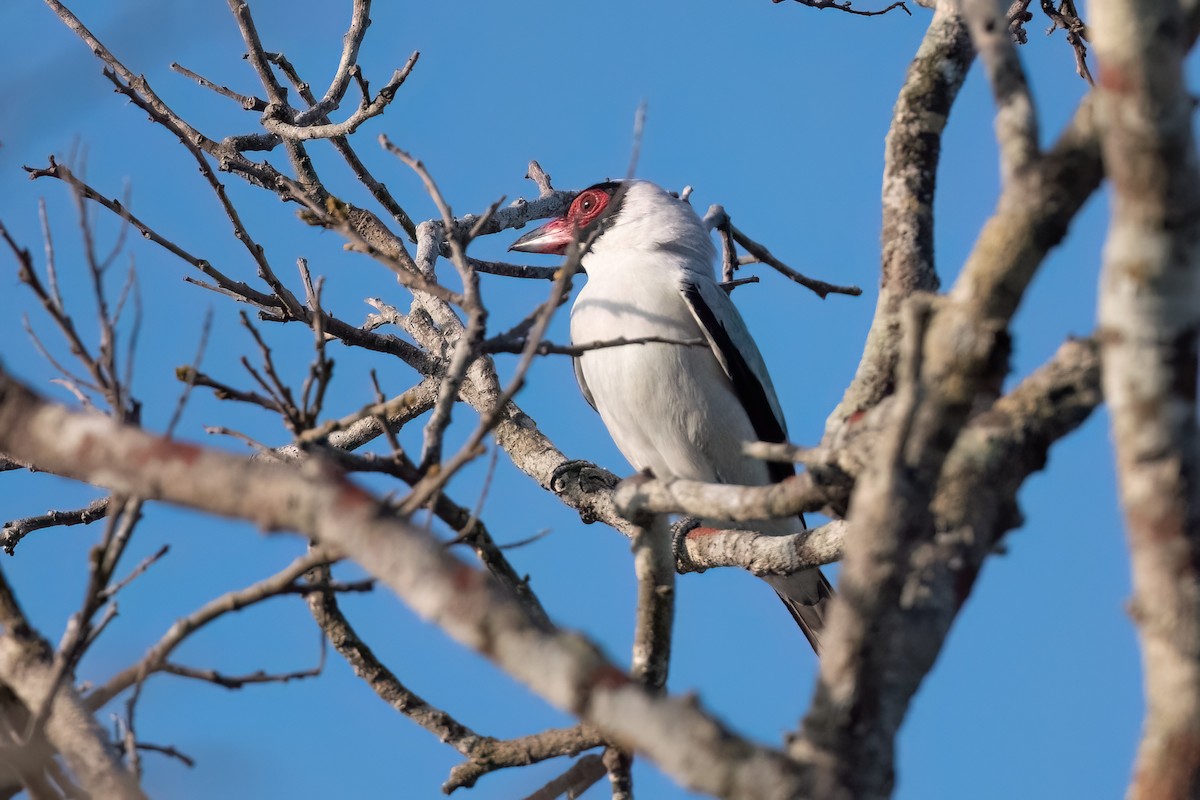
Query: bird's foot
[[679, 532], [584, 474]]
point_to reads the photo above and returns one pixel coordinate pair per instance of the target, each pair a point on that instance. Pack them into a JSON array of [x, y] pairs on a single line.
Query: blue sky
[[776, 111]]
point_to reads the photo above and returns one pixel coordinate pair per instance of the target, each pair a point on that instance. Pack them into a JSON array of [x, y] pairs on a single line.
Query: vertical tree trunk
[[1149, 316]]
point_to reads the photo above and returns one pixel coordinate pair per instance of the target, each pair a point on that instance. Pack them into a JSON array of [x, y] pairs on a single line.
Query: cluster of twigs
[[1064, 16]]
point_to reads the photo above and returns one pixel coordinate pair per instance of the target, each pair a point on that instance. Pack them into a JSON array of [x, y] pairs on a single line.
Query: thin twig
[[281, 582], [248, 102], [845, 6], [513, 270], [520, 344], [188, 375], [580, 777], [819, 287], [147, 562], [16, 530], [169, 751], [237, 681]]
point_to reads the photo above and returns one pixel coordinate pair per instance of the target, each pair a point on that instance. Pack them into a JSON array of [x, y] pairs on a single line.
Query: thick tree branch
[[960, 362], [705, 548], [26, 667], [911, 157], [1016, 119], [861, 700], [644, 495], [930, 456], [564, 668], [1150, 318], [965, 360], [654, 565]]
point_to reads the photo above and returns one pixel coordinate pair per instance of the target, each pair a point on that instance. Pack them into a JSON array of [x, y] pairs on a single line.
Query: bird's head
[[632, 215]]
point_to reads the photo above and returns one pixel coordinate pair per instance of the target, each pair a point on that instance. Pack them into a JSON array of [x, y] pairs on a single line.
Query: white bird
[[678, 410]]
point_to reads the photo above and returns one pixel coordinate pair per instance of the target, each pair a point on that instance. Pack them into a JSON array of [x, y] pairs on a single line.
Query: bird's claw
[[679, 531], [585, 474]]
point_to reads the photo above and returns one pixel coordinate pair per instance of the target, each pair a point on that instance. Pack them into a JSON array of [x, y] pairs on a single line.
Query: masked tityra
[[678, 410]]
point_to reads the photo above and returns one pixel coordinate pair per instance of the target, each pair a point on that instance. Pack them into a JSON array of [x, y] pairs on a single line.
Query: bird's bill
[[552, 238]]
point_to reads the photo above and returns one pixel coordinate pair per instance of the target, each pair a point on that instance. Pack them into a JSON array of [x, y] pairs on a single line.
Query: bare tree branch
[[910, 170], [794, 495], [17, 529], [574, 782], [923, 456], [367, 109], [490, 755], [845, 6], [703, 548], [1016, 119], [248, 102], [716, 218], [761, 253], [28, 670], [654, 565], [1150, 318], [156, 658], [567, 670]]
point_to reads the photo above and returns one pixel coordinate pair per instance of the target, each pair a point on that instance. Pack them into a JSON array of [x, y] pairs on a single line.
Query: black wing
[[744, 365], [583, 387]]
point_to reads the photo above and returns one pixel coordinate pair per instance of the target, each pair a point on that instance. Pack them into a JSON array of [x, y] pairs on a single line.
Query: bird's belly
[[669, 408]]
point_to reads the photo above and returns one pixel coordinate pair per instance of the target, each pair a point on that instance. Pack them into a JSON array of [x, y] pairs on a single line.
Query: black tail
[[810, 616]]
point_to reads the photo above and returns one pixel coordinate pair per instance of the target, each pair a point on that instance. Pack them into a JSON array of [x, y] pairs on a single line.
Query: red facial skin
[[554, 237], [585, 208]]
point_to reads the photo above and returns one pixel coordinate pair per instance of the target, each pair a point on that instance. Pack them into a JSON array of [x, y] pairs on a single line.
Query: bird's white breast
[[668, 407]]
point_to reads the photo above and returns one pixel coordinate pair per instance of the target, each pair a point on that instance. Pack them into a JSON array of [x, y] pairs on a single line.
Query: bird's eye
[[588, 206]]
